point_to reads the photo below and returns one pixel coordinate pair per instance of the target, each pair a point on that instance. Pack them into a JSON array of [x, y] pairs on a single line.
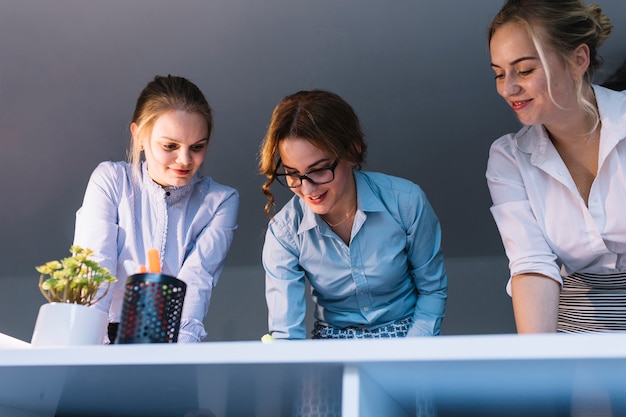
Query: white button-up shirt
[[545, 226], [192, 227]]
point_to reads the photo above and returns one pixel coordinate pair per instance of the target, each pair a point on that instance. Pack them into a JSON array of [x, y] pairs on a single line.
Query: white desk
[[464, 375]]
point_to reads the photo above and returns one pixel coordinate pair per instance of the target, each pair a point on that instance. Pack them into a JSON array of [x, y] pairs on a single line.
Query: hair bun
[[603, 24]]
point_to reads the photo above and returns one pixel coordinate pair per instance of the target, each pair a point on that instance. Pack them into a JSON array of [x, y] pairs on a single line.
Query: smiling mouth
[[181, 171], [315, 198], [519, 103]]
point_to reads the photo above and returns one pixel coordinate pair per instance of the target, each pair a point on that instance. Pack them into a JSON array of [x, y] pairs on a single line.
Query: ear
[[582, 59], [358, 149], [133, 132]]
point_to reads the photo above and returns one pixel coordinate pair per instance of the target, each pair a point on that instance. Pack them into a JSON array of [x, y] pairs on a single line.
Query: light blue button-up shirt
[[392, 269], [192, 227]]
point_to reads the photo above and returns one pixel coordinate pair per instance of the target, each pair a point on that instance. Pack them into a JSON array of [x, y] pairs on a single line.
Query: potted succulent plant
[[71, 286], [74, 279]]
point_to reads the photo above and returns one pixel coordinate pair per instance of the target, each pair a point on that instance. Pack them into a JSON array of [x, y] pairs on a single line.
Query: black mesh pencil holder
[[153, 304]]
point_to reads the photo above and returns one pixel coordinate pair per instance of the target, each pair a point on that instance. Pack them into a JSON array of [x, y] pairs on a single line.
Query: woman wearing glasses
[[368, 243]]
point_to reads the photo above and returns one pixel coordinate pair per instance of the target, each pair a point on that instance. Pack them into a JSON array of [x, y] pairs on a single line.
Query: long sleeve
[[203, 266], [519, 223], [425, 256], [97, 223], [284, 284]]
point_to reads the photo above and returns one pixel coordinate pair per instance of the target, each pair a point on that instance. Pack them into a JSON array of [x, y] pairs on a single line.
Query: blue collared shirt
[[392, 269], [192, 227]]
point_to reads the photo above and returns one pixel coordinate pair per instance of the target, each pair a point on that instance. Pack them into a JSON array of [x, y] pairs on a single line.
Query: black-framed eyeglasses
[[317, 176]]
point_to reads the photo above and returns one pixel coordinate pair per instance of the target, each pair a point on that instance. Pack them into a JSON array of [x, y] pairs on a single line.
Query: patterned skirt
[[593, 303], [318, 398], [398, 328]]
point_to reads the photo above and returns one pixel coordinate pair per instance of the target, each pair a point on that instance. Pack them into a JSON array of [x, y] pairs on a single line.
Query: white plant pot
[[64, 324]]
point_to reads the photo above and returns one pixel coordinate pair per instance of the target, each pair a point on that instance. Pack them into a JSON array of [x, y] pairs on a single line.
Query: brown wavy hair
[[321, 117]]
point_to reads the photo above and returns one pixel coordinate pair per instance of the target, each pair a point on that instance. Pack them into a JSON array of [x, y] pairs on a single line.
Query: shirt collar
[[366, 202], [172, 193], [612, 107], [534, 140]]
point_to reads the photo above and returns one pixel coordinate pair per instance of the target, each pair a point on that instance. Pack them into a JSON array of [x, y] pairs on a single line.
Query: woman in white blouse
[[559, 184], [159, 200]]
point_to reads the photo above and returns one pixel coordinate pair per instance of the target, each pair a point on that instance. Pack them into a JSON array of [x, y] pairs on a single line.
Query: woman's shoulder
[[210, 185], [112, 166], [515, 152], [611, 104], [111, 171], [382, 182], [214, 195], [402, 198], [508, 139], [291, 212], [505, 144], [524, 140], [396, 194]]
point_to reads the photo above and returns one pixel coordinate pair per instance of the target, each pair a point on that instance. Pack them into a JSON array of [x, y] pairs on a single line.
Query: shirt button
[[167, 193], [366, 309], [356, 270]]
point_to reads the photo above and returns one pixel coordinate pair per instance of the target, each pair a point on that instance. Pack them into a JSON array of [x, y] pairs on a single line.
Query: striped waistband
[[593, 303]]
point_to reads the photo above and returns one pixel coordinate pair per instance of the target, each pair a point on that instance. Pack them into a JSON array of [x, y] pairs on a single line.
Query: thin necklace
[[348, 215]]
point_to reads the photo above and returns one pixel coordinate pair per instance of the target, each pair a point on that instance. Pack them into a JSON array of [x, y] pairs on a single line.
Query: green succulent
[[74, 279]]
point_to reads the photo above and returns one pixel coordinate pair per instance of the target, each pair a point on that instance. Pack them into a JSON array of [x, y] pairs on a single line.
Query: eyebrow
[[517, 61], [177, 141], [310, 166]]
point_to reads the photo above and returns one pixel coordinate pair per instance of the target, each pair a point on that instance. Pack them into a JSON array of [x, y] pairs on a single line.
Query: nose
[[509, 86], [307, 187], [183, 157]]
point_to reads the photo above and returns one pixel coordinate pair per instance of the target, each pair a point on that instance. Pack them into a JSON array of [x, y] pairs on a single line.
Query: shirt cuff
[[184, 337], [191, 331]]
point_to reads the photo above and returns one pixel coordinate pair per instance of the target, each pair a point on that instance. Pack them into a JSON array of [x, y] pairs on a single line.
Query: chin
[[317, 209], [527, 118], [527, 121], [179, 182]]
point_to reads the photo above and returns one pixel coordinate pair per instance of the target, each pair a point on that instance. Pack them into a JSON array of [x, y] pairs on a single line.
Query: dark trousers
[[112, 330]]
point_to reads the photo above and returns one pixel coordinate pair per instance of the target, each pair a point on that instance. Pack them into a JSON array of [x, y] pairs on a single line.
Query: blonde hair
[[321, 117], [163, 94], [561, 26]]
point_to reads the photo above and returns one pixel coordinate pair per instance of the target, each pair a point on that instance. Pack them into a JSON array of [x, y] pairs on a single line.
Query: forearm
[[286, 307], [202, 269], [535, 303], [428, 315]]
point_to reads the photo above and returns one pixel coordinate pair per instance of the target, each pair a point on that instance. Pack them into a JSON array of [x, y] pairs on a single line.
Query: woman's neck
[[344, 210], [574, 126], [572, 130]]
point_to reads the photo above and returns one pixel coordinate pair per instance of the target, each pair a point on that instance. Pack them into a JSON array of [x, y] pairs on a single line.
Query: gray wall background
[[416, 71]]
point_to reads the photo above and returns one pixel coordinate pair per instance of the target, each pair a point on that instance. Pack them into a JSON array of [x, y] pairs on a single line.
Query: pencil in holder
[[152, 309]]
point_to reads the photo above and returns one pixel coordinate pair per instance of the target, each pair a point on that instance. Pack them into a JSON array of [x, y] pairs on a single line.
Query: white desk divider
[[489, 375]]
